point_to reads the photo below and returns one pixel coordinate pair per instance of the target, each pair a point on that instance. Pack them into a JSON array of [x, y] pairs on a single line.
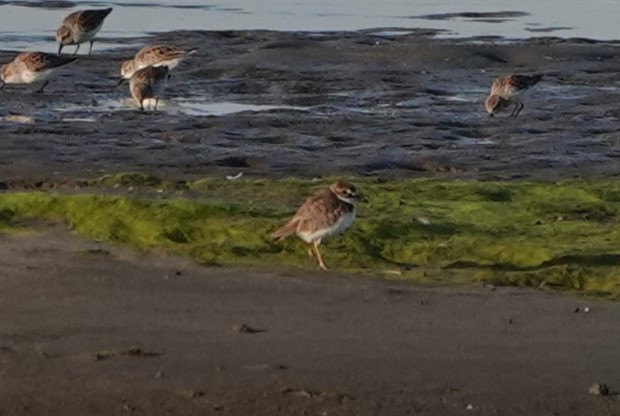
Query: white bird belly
[[86, 36], [339, 227], [171, 63], [27, 77]]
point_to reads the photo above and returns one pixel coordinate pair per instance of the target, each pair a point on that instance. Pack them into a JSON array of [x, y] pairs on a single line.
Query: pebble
[[599, 389]]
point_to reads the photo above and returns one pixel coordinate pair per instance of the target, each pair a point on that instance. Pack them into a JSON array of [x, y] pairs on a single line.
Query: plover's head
[[346, 192], [494, 103], [128, 68]]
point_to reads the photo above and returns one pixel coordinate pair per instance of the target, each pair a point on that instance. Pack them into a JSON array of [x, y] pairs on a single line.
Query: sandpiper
[[147, 84], [29, 67], [327, 213], [154, 55], [507, 90], [80, 27]]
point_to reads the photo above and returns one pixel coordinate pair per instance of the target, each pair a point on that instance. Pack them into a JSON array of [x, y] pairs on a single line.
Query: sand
[[99, 330]]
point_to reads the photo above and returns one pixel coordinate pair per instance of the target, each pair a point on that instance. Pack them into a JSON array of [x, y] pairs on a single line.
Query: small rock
[[244, 329], [192, 394], [470, 407], [598, 389]]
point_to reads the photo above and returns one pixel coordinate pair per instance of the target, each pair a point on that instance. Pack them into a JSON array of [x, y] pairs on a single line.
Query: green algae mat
[[555, 234]]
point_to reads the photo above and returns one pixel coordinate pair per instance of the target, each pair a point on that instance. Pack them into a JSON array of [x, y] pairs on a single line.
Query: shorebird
[[154, 55], [327, 213], [80, 27], [29, 67], [147, 84], [507, 90]]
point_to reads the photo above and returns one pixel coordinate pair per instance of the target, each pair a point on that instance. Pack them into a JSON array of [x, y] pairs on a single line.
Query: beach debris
[[129, 352], [423, 220], [234, 177], [300, 393], [191, 393], [599, 389], [16, 118], [245, 329], [470, 407]]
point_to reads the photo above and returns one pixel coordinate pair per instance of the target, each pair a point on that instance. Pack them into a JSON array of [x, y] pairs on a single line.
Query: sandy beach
[[99, 330]]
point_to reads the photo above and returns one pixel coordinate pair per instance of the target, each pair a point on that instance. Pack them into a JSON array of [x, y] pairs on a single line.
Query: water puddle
[[106, 105], [194, 107], [390, 34]]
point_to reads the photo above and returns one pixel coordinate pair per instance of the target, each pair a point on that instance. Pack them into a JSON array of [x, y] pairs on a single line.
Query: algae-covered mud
[[556, 234]]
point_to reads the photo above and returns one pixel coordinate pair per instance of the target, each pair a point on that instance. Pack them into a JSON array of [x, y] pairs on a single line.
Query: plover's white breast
[[338, 227]]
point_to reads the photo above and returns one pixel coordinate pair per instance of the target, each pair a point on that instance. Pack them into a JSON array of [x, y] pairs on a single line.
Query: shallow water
[[31, 24]]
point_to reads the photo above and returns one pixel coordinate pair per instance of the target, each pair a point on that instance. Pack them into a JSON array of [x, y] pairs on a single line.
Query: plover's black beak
[[2, 84], [362, 198], [120, 81], [60, 48]]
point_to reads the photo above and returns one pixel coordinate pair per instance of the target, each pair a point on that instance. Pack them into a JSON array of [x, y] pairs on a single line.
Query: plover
[[147, 84], [154, 55], [80, 27], [29, 67], [327, 213], [507, 90]]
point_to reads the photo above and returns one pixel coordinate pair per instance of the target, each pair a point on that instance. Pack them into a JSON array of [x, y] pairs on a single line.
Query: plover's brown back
[[510, 85]]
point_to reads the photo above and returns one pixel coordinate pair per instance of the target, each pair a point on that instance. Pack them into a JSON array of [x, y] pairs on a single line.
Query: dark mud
[[368, 103]]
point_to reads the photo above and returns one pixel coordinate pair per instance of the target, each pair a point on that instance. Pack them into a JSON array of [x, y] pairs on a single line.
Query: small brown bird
[[154, 55], [147, 84], [507, 90], [29, 67], [80, 27], [327, 213]]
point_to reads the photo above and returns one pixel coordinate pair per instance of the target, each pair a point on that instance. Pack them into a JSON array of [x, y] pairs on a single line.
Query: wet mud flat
[[389, 103]]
